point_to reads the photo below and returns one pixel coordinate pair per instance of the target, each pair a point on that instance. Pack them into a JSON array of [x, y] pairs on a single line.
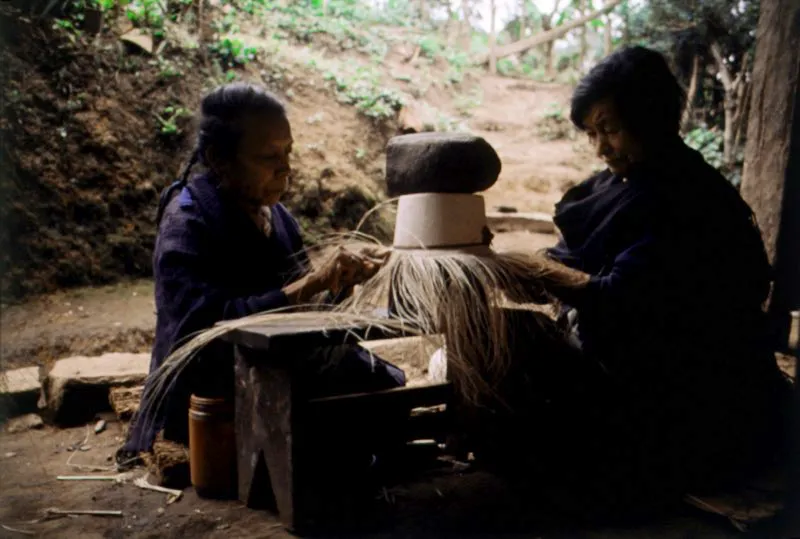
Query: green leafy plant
[[554, 124], [363, 89], [233, 51], [430, 46], [147, 13], [167, 68], [506, 67], [168, 119], [466, 103], [711, 145]]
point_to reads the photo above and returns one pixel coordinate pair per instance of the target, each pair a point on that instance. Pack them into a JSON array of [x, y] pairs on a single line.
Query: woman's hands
[[342, 270], [345, 269]]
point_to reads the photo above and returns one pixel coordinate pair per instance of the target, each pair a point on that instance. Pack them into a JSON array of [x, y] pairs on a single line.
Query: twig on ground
[[118, 478], [173, 494], [16, 530], [97, 513]]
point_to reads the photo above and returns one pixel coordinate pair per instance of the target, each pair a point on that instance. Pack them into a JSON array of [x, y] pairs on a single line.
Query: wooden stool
[[292, 450]]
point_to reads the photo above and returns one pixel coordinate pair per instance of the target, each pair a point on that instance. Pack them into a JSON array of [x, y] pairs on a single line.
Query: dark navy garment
[[212, 263], [673, 313], [673, 386], [679, 272]]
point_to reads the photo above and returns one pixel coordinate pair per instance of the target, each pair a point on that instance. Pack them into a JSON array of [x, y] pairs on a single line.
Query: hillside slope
[[96, 127], [87, 154]]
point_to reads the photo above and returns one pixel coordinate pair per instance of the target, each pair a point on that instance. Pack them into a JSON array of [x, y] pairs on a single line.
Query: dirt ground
[[536, 170], [446, 504]]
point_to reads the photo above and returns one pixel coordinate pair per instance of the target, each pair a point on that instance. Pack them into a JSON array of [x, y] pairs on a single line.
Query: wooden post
[[771, 178]]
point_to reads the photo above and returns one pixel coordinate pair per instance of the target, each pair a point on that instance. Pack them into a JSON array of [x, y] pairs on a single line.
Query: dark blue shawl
[[212, 263], [679, 274]]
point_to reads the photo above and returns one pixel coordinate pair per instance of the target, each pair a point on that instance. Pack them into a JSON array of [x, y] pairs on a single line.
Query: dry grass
[[452, 294]]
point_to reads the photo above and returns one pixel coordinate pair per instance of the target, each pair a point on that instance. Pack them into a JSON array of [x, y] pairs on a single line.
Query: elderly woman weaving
[[227, 249], [666, 382]]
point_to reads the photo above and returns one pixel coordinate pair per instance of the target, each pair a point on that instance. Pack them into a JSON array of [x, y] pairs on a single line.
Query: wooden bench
[[302, 456]]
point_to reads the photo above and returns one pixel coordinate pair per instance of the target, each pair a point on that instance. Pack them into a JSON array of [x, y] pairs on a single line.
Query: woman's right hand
[[341, 270], [336, 271]]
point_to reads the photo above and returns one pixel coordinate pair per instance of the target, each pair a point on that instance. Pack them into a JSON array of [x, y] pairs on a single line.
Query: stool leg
[[264, 428], [253, 478]]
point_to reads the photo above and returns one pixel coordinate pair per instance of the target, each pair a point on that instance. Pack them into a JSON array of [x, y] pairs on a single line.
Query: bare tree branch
[[550, 35], [724, 72], [690, 94]]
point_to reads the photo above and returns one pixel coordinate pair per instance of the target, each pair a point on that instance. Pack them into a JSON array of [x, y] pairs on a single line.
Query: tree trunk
[[449, 24], [729, 131], [551, 35], [467, 29], [608, 43], [547, 48], [771, 178], [732, 101], [584, 38], [691, 93], [626, 25], [741, 122], [423, 12], [771, 185], [548, 59], [200, 23], [492, 38]]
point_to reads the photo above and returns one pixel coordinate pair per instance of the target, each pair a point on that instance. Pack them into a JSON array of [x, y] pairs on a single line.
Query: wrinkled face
[[259, 175], [612, 142]]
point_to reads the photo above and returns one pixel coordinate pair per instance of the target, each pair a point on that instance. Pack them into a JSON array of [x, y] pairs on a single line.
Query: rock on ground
[[20, 390], [78, 387], [23, 423]]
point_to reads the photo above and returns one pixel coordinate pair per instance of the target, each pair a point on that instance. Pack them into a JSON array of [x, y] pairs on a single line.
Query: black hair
[[221, 112], [646, 94]]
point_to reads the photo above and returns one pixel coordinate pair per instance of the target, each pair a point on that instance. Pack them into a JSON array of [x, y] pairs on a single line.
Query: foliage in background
[[679, 28], [709, 143]]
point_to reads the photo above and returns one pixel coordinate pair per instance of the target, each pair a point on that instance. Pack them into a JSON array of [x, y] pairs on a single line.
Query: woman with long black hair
[[227, 248]]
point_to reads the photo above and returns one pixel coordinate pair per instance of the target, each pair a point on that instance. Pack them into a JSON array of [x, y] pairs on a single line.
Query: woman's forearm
[[303, 289], [559, 280]]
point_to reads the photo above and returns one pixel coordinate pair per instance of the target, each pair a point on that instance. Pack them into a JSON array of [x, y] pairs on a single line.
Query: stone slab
[[24, 423], [527, 221], [78, 387], [20, 390]]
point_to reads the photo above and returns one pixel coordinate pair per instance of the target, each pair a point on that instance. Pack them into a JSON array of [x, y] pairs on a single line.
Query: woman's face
[[612, 142], [259, 175]]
